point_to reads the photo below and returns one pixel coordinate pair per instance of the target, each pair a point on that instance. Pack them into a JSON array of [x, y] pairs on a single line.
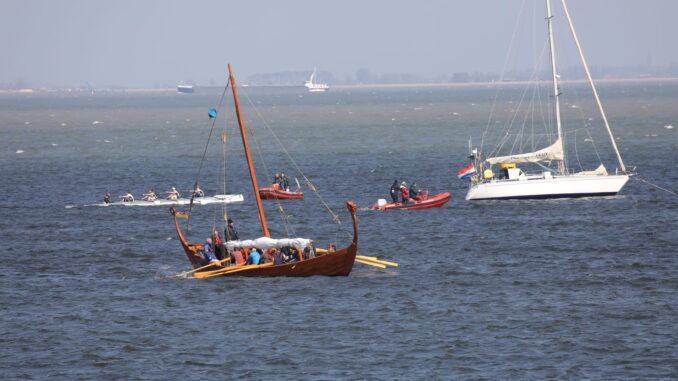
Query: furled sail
[[267, 242], [552, 152], [600, 171]]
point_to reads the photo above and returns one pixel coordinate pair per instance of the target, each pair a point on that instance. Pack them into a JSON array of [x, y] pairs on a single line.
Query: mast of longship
[[250, 166], [593, 87], [556, 92]]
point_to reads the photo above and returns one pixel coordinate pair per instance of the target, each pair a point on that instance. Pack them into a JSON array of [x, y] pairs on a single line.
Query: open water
[[563, 289]]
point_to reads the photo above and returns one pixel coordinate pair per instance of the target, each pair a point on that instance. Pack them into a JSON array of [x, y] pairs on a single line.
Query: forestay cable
[[335, 216]]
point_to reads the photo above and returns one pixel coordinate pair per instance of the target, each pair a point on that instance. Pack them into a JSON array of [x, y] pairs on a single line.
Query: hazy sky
[[146, 43]]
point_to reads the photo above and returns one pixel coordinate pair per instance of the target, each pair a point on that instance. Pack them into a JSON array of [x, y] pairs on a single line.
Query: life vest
[[403, 192]]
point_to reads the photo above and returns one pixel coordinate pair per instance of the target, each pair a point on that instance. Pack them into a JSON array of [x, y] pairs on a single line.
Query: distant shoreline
[[346, 87], [495, 83]]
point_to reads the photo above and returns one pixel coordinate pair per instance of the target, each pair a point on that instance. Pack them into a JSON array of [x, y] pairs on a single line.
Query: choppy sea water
[[572, 289]]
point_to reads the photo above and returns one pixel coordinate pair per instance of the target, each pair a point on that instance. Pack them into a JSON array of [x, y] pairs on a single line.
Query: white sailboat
[[513, 183], [315, 87]]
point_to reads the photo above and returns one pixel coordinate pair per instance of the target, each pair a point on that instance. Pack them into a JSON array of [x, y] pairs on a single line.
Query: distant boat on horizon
[[186, 89], [315, 87]]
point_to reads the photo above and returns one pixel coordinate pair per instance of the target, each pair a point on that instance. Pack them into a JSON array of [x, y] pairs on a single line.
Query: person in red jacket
[[404, 193], [219, 249]]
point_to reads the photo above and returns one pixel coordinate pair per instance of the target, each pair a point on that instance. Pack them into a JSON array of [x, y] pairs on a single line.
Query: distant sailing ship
[[315, 87], [186, 89], [560, 182]]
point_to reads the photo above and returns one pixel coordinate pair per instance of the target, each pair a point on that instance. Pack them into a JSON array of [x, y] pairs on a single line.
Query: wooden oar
[[228, 270], [241, 269], [182, 274], [367, 257], [205, 274], [375, 260], [371, 263]]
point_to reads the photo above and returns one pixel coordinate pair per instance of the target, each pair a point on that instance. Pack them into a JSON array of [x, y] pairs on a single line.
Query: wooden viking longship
[[329, 263]]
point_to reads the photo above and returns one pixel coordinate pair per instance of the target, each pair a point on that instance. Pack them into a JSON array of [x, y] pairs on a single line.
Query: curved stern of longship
[[191, 249]]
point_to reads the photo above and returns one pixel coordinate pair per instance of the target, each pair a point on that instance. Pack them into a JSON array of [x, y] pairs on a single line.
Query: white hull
[[184, 89], [534, 187], [315, 87], [217, 199]]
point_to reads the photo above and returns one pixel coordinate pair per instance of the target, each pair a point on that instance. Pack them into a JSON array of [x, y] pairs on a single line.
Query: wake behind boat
[[216, 199]]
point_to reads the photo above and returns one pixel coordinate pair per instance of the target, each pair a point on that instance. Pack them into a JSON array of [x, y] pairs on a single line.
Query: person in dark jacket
[[230, 234], [415, 193], [219, 249], [394, 191], [284, 182]]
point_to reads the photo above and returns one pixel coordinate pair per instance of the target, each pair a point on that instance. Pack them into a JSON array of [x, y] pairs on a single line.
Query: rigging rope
[[224, 210], [204, 154], [657, 186], [335, 216], [509, 125], [283, 215], [501, 77]]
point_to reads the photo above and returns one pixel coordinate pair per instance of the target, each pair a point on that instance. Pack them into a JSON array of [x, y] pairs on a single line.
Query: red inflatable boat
[[424, 202], [279, 194]]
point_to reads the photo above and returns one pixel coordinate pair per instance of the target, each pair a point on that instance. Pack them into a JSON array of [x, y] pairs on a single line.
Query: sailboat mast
[[250, 166], [556, 92], [593, 87]]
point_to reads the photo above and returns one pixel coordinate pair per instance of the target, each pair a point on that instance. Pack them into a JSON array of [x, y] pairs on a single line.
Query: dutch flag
[[466, 172]]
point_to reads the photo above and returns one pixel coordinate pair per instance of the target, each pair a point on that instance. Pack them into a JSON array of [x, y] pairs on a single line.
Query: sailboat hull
[[572, 186]]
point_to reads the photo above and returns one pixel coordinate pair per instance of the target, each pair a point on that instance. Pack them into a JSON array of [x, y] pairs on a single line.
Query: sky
[[151, 42]]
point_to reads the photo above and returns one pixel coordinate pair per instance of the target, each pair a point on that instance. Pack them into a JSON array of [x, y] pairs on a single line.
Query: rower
[[208, 252], [254, 257], [173, 194], [150, 195], [127, 197]]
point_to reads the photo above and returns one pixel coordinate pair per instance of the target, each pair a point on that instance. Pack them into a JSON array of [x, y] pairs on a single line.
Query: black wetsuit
[[394, 191]]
